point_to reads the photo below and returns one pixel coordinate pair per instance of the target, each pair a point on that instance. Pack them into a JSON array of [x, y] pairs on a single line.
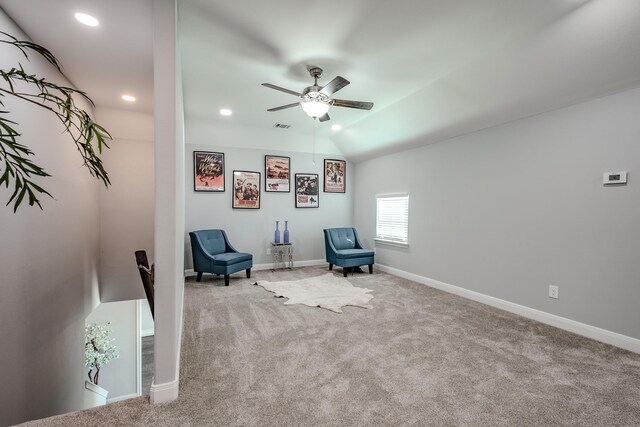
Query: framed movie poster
[[277, 174], [307, 190], [246, 190], [208, 171], [335, 176]]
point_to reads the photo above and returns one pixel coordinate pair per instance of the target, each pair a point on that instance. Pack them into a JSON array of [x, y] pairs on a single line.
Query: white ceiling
[[434, 68], [106, 61]]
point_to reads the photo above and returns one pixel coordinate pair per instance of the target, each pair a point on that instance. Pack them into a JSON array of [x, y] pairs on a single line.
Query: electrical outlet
[[268, 251], [553, 292]]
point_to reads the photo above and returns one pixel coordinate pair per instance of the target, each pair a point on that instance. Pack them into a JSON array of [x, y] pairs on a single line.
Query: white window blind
[[392, 222]]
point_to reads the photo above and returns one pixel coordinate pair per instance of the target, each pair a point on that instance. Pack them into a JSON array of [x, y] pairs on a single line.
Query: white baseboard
[[166, 392], [119, 398], [307, 263], [269, 266], [593, 332]]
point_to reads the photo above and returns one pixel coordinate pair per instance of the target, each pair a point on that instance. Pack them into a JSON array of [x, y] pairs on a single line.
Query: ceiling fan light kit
[[316, 100], [315, 104]]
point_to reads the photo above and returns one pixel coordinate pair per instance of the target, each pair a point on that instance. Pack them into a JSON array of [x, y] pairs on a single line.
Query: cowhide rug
[[326, 291]]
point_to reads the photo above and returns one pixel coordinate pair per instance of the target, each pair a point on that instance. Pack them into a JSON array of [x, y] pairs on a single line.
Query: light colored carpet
[[148, 364], [325, 291], [420, 357]]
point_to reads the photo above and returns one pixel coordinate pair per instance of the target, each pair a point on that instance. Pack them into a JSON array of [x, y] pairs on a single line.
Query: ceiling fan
[[315, 100]]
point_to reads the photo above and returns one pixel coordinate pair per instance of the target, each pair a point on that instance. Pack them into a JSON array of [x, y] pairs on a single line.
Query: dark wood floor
[[147, 364]]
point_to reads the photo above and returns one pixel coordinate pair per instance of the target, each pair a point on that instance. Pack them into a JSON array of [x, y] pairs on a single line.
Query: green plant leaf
[[59, 100]]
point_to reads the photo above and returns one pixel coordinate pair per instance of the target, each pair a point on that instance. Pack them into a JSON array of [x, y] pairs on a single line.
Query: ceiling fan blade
[[334, 85], [353, 104], [324, 118], [282, 107], [281, 89]]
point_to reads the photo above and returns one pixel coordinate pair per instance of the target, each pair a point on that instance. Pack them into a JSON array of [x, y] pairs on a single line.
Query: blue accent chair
[[212, 253], [343, 248]]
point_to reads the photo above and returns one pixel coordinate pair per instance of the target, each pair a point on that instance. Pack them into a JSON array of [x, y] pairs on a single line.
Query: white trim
[[593, 332], [391, 242], [166, 392], [388, 195], [125, 397], [308, 263]]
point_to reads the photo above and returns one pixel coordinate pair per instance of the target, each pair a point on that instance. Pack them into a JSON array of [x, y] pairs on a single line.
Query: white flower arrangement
[[99, 349]]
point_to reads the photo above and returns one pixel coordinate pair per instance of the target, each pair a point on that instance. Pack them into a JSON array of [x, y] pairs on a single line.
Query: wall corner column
[[169, 201]]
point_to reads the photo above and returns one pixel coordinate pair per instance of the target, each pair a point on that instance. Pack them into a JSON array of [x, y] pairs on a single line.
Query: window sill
[[391, 243]]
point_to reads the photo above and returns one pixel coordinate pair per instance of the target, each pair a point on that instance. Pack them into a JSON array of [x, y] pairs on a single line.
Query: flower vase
[[94, 395], [286, 231], [276, 235]]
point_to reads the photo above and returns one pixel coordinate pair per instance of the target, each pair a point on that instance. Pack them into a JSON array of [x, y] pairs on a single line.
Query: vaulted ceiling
[[434, 69], [106, 61]]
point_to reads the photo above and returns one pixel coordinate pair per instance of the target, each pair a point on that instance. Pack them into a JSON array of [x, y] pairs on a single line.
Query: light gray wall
[[252, 230], [510, 210], [229, 133], [48, 266], [169, 202], [119, 377], [146, 319], [126, 207]]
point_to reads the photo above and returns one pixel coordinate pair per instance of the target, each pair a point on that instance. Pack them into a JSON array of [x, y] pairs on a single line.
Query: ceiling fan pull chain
[[315, 125]]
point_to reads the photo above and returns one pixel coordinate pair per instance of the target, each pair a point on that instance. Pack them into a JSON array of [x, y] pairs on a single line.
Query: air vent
[[281, 126]]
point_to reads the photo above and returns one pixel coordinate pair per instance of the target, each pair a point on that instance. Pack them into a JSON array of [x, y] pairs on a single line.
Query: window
[[392, 223]]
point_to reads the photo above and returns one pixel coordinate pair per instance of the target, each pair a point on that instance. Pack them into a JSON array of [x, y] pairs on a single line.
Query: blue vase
[[276, 235], [286, 231]]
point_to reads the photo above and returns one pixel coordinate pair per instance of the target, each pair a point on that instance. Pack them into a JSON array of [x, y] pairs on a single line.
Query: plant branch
[[24, 45], [15, 165]]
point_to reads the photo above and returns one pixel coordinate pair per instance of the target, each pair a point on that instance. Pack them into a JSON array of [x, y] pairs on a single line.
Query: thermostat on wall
[[614, 178]]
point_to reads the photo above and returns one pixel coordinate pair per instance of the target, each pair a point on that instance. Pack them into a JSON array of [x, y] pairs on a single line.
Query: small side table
[[282, 254]]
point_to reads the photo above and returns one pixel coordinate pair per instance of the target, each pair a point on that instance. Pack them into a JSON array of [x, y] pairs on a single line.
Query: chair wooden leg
[[226, 280], [345, 270], [330, 266], [199, 276], [248, 273], [370, 268]]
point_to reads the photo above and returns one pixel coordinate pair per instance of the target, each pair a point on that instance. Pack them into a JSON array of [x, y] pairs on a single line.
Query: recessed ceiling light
[[87, 19], [129, 98], [226, 112], [336, 128]]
